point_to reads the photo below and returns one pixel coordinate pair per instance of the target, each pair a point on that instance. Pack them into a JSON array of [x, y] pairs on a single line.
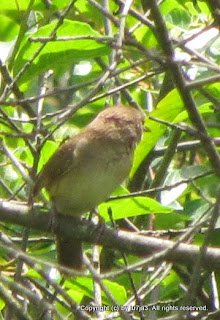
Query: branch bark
[[178, 77], [130, 242]]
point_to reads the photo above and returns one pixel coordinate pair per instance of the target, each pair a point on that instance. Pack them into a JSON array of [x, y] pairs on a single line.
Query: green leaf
[[84, 286], [21, 5], [59, 53], [48, 149], [9, 29], [130, 207], [195, 208], [167, 109], [203, 109], [2, 304], [214, 89], [145, 35], [118, 292], [176, 13], [172, 220], [78, 287], [167, 6], [203, 7], [190, 6], [170, 288], [177, 176], [14, 5]]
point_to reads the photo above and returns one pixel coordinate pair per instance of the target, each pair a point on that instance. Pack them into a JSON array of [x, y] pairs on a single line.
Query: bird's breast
[[91, 181]]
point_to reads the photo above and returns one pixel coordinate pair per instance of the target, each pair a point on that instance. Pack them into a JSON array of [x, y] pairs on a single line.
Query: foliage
[[62, 62]]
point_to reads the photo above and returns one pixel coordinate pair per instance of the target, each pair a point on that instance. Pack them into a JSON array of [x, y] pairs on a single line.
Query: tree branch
[[178, 76], [130, 242]]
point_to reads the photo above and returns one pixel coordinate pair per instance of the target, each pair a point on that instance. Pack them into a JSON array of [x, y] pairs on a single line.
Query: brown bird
[[86, 169]]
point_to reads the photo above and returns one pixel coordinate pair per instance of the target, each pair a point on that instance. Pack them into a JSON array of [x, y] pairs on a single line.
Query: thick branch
[[186, 254], [196, 119]]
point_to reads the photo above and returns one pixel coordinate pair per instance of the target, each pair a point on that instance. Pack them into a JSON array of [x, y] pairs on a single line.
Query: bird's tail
[[69, 251]]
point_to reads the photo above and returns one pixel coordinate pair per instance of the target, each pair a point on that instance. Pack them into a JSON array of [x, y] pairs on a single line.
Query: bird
[[87, 168]]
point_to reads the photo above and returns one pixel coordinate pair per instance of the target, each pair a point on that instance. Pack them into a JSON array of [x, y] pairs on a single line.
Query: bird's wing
[[59, 163]]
